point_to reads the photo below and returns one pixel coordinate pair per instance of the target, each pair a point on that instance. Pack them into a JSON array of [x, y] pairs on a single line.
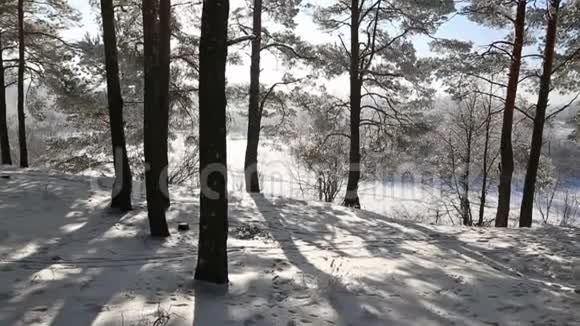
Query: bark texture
[[4, 142], [165, 101], [465, 180], [506, 149], [485, 167], [254, 109], [212, 264], [154, 145], [121, 193], [20, 108], [351, 198]]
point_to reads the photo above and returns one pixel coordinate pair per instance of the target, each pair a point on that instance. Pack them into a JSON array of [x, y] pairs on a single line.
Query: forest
[[271, 162]]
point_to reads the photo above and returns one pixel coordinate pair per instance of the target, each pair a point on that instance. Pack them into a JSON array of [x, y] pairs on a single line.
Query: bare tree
[[488, 158], [570, 208], [319, 147], [544, 198], [467, 75], [462, 136]]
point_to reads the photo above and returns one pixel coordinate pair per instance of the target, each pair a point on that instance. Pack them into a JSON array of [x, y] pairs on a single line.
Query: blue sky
[[458, 28]]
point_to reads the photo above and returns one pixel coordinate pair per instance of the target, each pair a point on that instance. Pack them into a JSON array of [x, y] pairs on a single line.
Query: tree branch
[[241, 39]]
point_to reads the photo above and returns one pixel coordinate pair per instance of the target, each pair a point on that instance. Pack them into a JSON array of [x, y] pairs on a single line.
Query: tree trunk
[[254, 111], [153, 119], [351, 199], [527, 207], [121, 194], [578, 127], [21, 67], [507, 155], [482, 198], [212, 263], [321, 196], [465, 204], [164, 78], [4, 142]]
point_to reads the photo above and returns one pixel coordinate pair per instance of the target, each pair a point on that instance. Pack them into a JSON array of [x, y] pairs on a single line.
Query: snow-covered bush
[[547, 185], [320, 150], [570, 208]]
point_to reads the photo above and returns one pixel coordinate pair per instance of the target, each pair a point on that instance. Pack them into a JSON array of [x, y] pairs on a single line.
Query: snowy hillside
[[65, 260]]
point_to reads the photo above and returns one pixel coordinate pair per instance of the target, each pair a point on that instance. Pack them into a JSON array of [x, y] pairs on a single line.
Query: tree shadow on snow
[[65, 261], [467, 284], [70, 263]]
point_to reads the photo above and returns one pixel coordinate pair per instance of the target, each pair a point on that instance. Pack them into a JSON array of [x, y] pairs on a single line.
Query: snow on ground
[[65, 260]]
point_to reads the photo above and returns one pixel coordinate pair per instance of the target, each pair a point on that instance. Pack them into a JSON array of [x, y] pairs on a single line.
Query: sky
[[88, 23], [458, 27]]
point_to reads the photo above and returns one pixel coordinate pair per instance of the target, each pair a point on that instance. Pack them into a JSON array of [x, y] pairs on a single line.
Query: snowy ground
[[64, 260]]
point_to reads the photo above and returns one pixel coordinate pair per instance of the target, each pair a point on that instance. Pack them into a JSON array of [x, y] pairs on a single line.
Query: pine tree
[[164, 100], [121, 193], [377, 60], [4, 142], [154, 143], [288, 47], [254, 116], [212, 263], [33, 27], [351, 199], [509, 15], [21, 67], [527, 206], [507, 155]]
